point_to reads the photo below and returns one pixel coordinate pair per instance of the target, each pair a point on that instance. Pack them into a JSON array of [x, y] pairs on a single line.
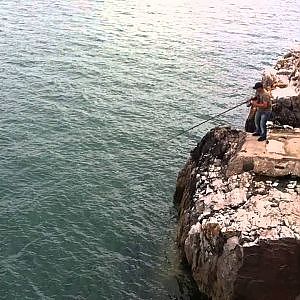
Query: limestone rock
[[242, 238], [287, 97], [283, 83], [279, 157]]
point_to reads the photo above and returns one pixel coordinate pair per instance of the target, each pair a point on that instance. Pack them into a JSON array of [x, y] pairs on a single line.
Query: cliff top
[[280, 156]]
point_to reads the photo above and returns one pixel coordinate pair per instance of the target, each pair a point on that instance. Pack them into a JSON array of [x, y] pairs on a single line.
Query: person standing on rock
[[263, 104]]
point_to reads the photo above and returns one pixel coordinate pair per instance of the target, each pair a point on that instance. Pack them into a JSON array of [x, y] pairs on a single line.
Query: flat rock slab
[[279, 156]]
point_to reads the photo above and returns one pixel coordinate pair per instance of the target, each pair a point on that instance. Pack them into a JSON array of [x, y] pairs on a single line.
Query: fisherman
[[263, 105]]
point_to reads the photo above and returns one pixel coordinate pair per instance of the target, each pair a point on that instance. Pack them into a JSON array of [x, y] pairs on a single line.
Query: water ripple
[[91, 90]]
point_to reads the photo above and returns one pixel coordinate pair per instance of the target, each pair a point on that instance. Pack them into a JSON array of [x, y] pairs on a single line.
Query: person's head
[[258, 87]]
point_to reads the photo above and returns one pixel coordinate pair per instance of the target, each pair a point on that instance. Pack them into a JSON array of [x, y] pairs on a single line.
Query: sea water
[[90, 93]]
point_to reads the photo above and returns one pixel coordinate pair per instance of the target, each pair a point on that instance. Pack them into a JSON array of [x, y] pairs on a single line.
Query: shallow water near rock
[[91, 90]]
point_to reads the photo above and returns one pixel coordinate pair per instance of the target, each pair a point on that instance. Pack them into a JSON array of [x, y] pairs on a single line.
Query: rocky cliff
[[239, 207], [283, 81]]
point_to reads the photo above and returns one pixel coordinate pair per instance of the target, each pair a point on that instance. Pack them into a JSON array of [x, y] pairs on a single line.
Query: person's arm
[[250, 101]]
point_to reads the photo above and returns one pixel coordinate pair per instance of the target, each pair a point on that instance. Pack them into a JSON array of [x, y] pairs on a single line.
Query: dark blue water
[[90, 91]]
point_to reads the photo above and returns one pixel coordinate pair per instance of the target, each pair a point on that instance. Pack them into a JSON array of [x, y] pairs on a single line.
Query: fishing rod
[[203, 122]]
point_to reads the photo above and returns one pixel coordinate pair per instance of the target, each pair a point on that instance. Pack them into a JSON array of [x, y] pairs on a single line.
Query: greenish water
[[90, 90]]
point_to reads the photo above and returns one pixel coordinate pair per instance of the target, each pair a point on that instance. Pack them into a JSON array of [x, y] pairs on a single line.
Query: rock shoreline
[[239, 225], [284, 83]]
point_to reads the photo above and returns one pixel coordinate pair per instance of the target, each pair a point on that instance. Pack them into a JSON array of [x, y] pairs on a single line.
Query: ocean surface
[[90, 92]]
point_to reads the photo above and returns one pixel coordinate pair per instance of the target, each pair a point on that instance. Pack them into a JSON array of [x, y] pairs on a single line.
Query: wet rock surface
[[240, 233]]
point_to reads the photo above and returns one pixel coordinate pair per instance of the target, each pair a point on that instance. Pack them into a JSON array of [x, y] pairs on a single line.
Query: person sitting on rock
[[262, 102]]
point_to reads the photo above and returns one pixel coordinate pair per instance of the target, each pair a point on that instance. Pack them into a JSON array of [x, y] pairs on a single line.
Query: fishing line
[[142, 177], [203, 122]]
